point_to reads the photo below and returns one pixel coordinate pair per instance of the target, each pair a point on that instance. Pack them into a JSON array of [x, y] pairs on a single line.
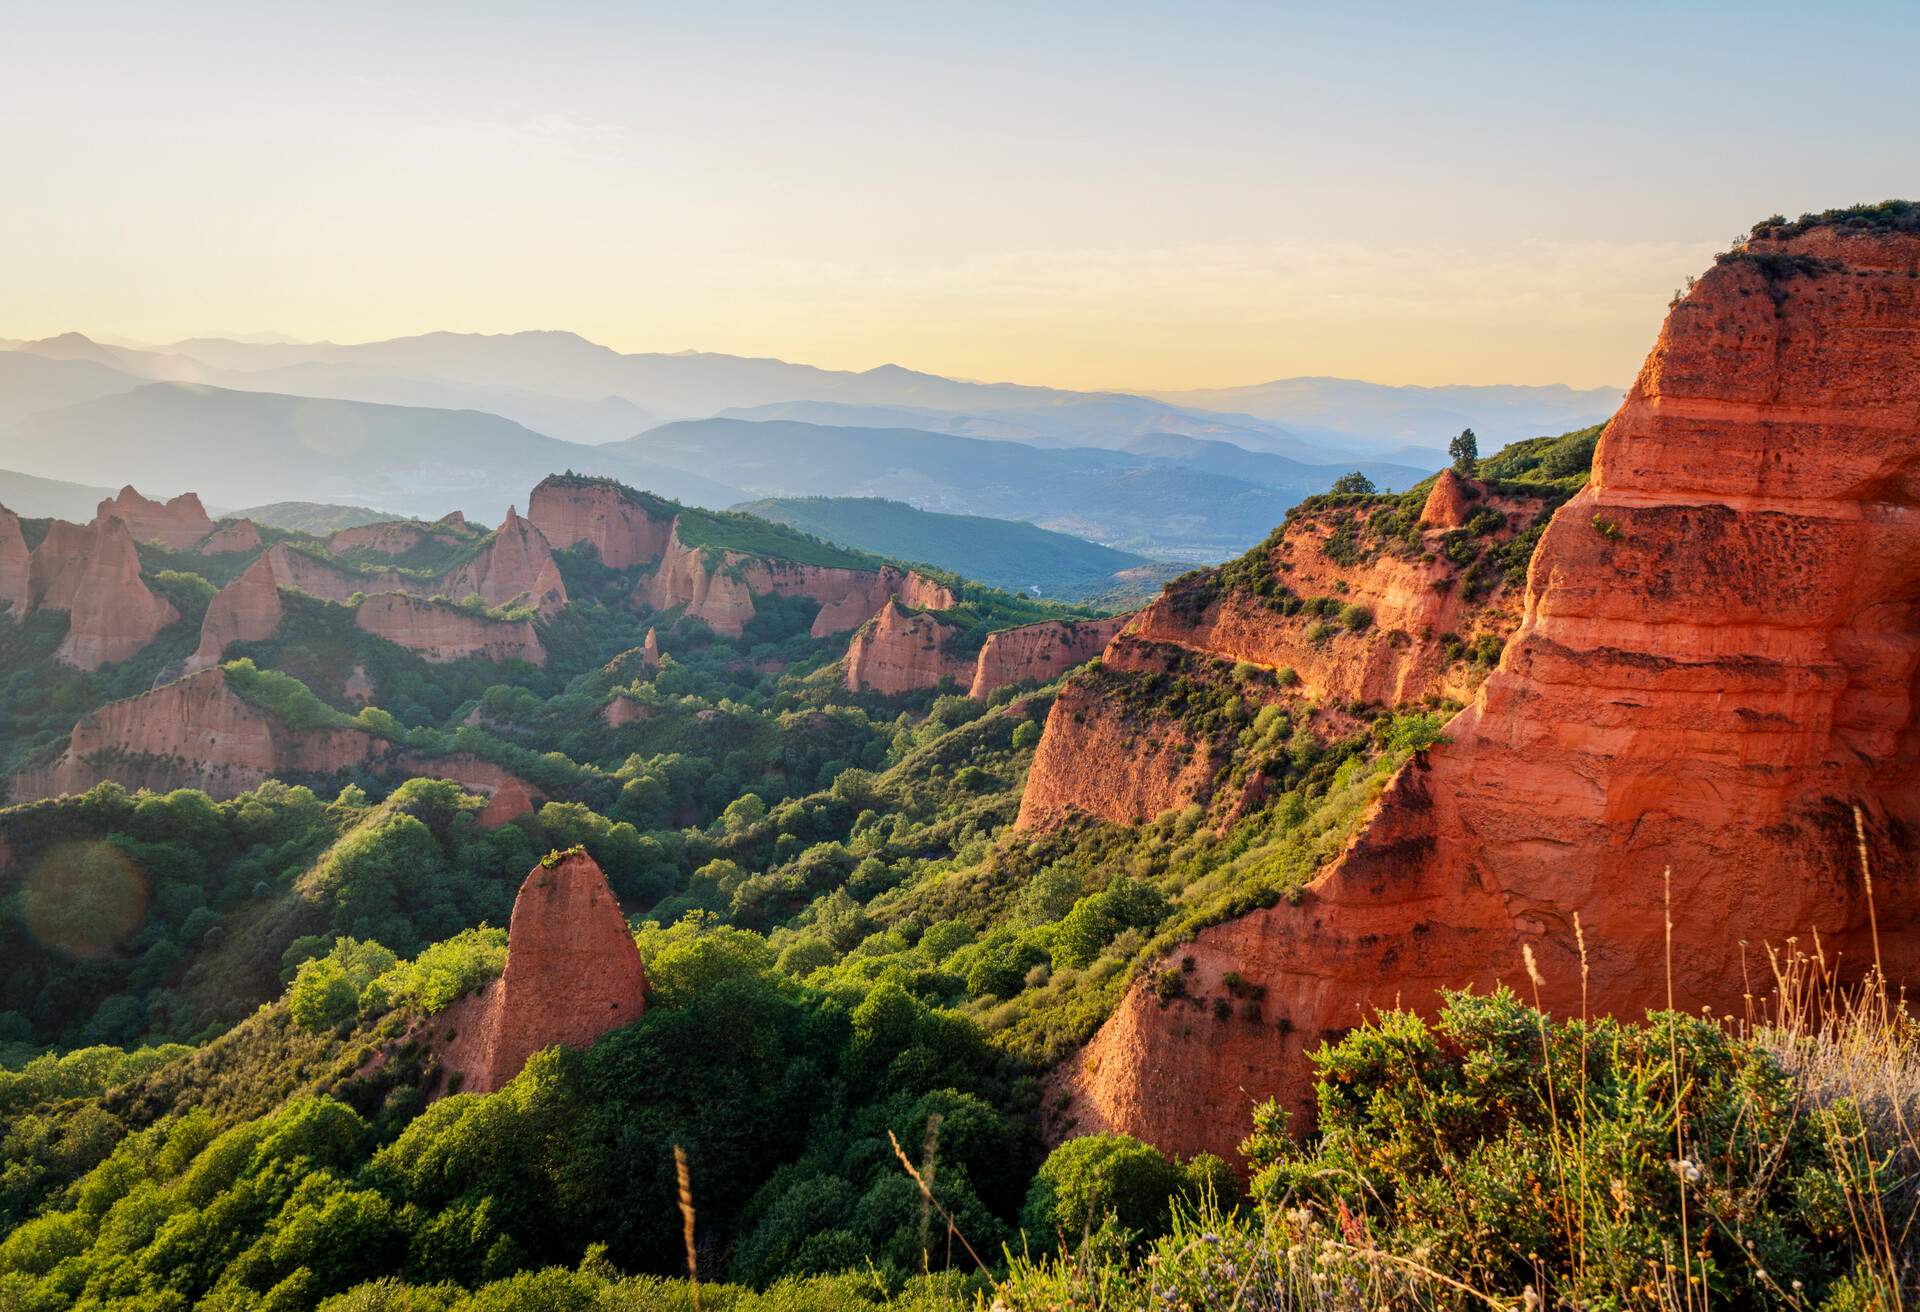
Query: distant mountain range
[[423, 425], [1006, 553]]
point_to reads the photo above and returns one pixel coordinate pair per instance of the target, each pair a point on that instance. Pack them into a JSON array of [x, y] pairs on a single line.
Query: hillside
[[241, 448], [1131, 503], [313, 517], [1003, 553], [48, 498]]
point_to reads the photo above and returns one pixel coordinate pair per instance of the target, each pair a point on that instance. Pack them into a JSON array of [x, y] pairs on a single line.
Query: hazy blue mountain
[[1274, 470], [1158, 508], [1389, 418], [242, 448], [1098, 419], [30, 383], [1006, 553], [40, 498], [150, 365]]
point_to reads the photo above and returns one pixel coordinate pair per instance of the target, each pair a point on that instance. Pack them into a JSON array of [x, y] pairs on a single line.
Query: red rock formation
[[179, 524], [113, 614], [650, 649], [1448, 505], [296, 569], [1040, 651], [1718, 662], [16, 568], [901, 650], [515, 568], [509, 802], [246, 610], [626, 528], [58, 563], [233, 536], [707, 589], [358, 688], [441, 631], [573, 973], [622, 710], [193, 733], [394, 537]]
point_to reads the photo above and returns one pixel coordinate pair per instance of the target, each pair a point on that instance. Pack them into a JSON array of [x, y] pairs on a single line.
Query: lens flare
[[84, 899]]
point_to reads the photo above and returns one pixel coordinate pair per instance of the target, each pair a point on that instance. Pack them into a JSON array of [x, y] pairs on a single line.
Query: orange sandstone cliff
[[232, 537], [246, 610], [441, 631], [573, 973], [625, 530], [16, 567], [1040, 651], [1719, 660], [515, 568], [111, 612], [900, 650], [178, 524]]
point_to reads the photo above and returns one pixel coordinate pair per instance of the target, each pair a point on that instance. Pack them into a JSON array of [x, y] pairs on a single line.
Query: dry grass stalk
[[685, 1179], [926, 1194]]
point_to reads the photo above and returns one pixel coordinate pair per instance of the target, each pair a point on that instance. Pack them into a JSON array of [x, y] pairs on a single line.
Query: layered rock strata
[[233, 537], [1040, 652], [1719, 662], [442, 632], [901, 650], [178, 525]]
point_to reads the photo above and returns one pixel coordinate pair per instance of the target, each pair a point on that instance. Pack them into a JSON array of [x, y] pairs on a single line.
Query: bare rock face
[[650, 649], [707, 590], [193, 733], [232, 537], [849, 598], [901, 650], [509, 802], [358, 688], [573, 973], [1355, 620], [16, 567], [113, 614], [624, 529], [246, 610], [320, 578], [515, 568], [1040, 651], [1448, 505], [389, 538], [442, 632], [1718, 662], [59, 563], [178, 524]]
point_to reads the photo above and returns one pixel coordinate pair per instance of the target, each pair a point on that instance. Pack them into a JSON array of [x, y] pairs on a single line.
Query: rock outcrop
[[706, 590], [901, 650], [1719, 661], [196, 732], [442, 632], [1358, 618], [1040, 652], [178, 524], [246, 610], [573, 973], [112, 614], [515, 568], [509, 802], [394, 537], [232, 537], [1449, 504], [16, 568], [626, 528], [58, 564]]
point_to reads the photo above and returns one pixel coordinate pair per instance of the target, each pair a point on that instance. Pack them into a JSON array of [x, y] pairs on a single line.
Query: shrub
[[1101, 1180]]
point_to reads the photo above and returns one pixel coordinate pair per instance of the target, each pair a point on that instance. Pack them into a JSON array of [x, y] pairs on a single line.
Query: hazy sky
[[1098, 195]]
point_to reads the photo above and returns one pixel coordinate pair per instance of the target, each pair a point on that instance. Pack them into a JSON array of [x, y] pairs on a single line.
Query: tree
[[1354, 482], [1464, 451]]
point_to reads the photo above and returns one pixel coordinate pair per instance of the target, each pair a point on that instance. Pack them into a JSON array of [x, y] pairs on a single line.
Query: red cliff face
[[389, 538], [509, 802], [230, 538], [246, 610], [515, 568], [900, 650], [1447, 505], [16, 567], [573, 973], [1718, 662], [193, 733], [58, 563], [443, 632], [1040, 651], [625, 531], [709, 591], [1356, 618], [178, 524], [113, 614]]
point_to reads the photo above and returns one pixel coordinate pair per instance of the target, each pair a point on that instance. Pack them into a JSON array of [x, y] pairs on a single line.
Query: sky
[[1099, 196]]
